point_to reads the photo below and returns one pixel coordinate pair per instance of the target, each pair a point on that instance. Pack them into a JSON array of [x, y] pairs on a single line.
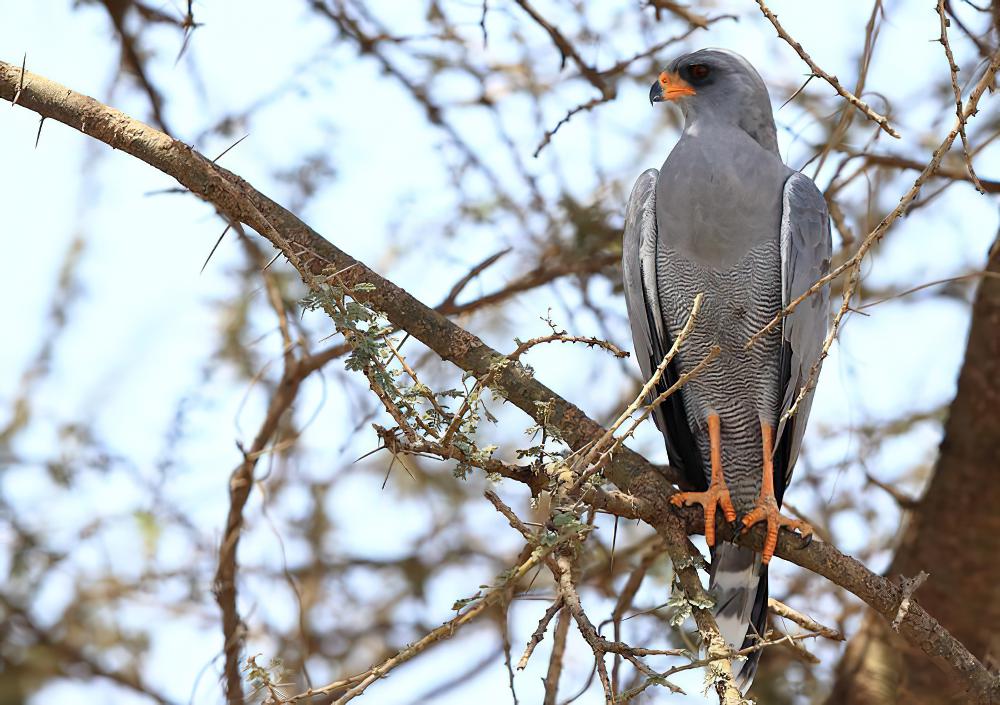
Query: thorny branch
[[853, 265], [240, 483], [959, 110], [356, 685], [647, 492], [881, 120]]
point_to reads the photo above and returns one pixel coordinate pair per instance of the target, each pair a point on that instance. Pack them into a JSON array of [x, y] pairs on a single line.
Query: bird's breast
[[742, 386], [716, 200]]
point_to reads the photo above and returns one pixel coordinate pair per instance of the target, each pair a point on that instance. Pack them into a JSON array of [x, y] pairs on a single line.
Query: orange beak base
[[670, 86]]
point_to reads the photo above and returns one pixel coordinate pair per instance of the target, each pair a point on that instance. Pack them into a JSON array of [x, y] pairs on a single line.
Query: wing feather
[[805, 258], [649, 335]]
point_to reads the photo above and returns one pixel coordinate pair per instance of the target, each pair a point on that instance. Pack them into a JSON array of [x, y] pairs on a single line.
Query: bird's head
[[718, 85]]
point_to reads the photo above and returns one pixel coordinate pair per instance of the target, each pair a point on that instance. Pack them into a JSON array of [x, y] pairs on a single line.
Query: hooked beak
[[669, 86]]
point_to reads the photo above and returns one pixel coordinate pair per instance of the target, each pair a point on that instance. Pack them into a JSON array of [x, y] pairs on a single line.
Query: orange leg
[[717, 493], [766, 508]]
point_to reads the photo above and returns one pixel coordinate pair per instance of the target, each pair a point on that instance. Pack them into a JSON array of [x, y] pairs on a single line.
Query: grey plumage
[[726, 218]]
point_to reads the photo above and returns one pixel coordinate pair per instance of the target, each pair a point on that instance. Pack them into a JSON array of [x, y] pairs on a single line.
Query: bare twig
[[358, 684], [959, 110], [588, 460], [780, 609], [908, 586], [904, 500], [880, 120], [240, 484], [581, 108], [943, 172], [539, 633], [567, 590], [853, 264], [568, 51], [625, 597], [681, 11], [556, 658]]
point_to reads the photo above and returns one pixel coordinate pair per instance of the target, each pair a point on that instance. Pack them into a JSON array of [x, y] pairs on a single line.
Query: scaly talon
[[767, 511], [717, 494], [766, 508]]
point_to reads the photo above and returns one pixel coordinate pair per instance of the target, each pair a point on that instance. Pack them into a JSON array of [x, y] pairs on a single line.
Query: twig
[[907, 586], [644, 392], [959, 111], [567, 590], [445, 631], [780, 609], [476, 270], [240, 484], [539, 633], [682, 11], [581, 108], [556, 658], [891, 160], [625, 599], [568, 51], [563, 337], [881, 120], [510, 516], [712, 353], [658, 678], [853, 264], [795, 647], [695, 21], [847, 116], [904, 500]]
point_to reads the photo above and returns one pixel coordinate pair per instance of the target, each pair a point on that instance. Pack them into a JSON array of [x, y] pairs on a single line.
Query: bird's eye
[[699, 72]]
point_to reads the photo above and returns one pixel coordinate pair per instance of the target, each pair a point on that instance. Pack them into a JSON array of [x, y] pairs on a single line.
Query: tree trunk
[[954, 535]]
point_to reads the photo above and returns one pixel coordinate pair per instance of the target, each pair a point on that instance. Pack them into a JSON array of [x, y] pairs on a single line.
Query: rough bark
[[311, 254], [953, 534]]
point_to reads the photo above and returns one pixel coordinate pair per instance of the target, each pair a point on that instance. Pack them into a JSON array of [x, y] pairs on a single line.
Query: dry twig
[[959, 110], [875, 117], [780, 609]]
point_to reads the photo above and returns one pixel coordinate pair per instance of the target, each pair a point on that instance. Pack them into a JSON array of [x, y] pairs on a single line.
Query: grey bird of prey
[[726, 218]]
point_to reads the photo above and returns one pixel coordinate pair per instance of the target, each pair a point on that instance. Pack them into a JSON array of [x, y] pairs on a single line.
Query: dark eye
[[699, 72]]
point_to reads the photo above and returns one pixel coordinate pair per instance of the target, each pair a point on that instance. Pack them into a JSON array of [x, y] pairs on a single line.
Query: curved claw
[[766, 512], [736, 527], [766, 508], [717, 496], [806, 541]]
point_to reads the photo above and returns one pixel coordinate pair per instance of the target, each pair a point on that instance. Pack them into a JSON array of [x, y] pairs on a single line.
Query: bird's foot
[[766, 510], [717, 495]]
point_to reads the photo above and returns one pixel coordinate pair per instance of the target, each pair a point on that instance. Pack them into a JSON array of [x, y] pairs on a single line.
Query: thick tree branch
[[312, 255]]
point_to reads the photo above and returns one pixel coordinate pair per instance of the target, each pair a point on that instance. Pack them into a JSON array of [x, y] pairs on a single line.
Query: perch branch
[[312, 254]]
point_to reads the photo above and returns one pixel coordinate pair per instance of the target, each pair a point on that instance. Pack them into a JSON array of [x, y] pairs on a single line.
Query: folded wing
[[649, 335]]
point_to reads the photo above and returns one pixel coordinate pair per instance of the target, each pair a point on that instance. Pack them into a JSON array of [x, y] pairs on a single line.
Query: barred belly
[[741, 386]]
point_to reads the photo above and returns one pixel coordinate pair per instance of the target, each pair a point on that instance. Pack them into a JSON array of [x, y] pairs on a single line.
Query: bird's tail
[[739, 581]]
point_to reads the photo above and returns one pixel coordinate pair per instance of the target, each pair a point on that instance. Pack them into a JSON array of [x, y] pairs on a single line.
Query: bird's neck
[[759, 126]]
